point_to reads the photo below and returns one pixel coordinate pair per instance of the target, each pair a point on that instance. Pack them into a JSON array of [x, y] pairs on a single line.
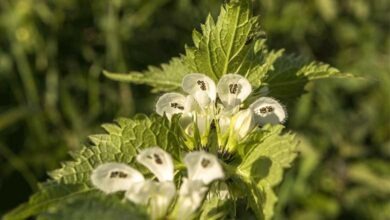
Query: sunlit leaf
[[265, 155]]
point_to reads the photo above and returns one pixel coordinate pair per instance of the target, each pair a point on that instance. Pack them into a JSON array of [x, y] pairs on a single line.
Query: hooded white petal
[[233, 89], [244, 122], [158, 162], [268, 111], [203, 166], [170, 104], [201, 87], [191, 196], [113, 177]]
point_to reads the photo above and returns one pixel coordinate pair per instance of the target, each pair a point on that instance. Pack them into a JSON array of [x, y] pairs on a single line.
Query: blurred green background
[[53, 94]]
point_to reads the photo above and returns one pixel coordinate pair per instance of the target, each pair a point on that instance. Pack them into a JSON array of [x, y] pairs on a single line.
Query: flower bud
[[224, 124], [244, 122]]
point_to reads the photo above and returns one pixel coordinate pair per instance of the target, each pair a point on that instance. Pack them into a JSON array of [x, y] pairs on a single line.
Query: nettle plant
[[216, 147]]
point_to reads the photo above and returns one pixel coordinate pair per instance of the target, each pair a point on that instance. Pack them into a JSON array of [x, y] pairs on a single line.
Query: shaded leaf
[[49, 194], [290, 75], [95, 206], [215, 208]]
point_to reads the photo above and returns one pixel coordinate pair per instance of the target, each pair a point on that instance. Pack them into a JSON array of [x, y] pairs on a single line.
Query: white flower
[[114, 177], [158, 195], [170, 104], [201, 87], [201, 108], [244, 122], [140, 192], [268, 111], [158, 161], [233, 89], [203, 166], [161, 199], [191, 196]]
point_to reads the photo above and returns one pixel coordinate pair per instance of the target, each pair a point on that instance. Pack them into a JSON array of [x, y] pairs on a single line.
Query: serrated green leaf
[[165, 78], [263, 63], [265, 154], [121, 144], [223, 47], [50, 194], [290, 75], [196, 37], [234, 44], [94, 206]]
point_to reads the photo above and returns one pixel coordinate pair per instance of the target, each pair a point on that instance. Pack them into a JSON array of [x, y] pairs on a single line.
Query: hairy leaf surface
[[121, 143]]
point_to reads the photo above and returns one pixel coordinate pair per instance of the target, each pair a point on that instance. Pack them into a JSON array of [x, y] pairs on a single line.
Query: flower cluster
[[220, 105], [158, 196]]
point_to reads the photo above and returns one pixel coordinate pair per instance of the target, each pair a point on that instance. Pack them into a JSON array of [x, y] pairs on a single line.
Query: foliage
[[342, 124], [64, 201], [50, 194], [231, 44], [121, 144], [95, 207], [51, 60], [265, 155]]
